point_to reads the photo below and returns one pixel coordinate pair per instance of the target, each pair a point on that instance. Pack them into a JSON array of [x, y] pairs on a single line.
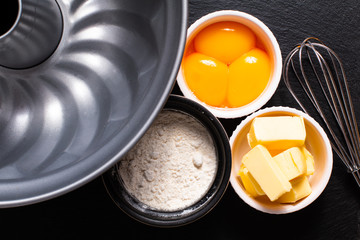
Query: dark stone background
[[89, 211]]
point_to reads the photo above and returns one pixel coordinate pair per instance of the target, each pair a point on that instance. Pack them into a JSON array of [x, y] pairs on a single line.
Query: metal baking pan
[[67, 119]]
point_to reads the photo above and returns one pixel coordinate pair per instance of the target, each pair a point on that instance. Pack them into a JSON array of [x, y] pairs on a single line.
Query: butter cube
[[266, 172], [300, 189], [310, 164], [291, 162], [275, 133], [250, 184]]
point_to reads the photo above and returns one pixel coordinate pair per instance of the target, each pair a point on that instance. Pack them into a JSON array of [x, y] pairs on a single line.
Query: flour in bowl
[[173, 165]]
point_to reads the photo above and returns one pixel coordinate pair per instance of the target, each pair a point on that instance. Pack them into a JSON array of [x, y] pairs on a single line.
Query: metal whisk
[[320, 74]]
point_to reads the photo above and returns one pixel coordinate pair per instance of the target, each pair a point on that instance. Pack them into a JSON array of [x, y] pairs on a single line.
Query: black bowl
[[146, 214]]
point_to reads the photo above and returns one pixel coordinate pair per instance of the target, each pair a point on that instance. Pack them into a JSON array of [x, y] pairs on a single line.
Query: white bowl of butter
[[277, 187]]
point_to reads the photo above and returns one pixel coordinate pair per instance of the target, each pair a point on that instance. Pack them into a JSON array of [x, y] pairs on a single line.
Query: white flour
[[173, 165]]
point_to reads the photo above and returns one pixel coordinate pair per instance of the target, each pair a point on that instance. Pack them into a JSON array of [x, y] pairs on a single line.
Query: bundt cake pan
[[72, 115]]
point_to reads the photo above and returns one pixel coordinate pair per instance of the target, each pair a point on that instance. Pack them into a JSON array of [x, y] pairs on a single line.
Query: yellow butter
[[280, 132], [266, 172], [250, 184], [300, 189], [310, 164], [291, 162]]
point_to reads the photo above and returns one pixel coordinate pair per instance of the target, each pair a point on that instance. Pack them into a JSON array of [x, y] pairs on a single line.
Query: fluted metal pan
[[68, 119]]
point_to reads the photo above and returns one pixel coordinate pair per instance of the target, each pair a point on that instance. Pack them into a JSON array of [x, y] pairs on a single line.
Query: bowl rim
[[270, 89], [196, 211], [322, 184]]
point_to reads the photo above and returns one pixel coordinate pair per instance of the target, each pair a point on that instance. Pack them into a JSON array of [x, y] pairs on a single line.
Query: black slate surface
[[88, 211]]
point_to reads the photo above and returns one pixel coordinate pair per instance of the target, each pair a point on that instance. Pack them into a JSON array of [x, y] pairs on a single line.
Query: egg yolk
[[248, 77], [225, 41], [226, 65], [207, 77]]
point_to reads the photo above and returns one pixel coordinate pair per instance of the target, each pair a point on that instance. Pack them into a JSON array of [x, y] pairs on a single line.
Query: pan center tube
[[30, 31]]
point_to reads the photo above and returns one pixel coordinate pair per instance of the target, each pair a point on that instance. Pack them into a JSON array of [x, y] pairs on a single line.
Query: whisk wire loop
[[311, 96], [328, 73]]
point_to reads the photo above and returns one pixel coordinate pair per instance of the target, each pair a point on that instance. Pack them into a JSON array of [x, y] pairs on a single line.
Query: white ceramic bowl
[[270, 43], [316, 142]]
